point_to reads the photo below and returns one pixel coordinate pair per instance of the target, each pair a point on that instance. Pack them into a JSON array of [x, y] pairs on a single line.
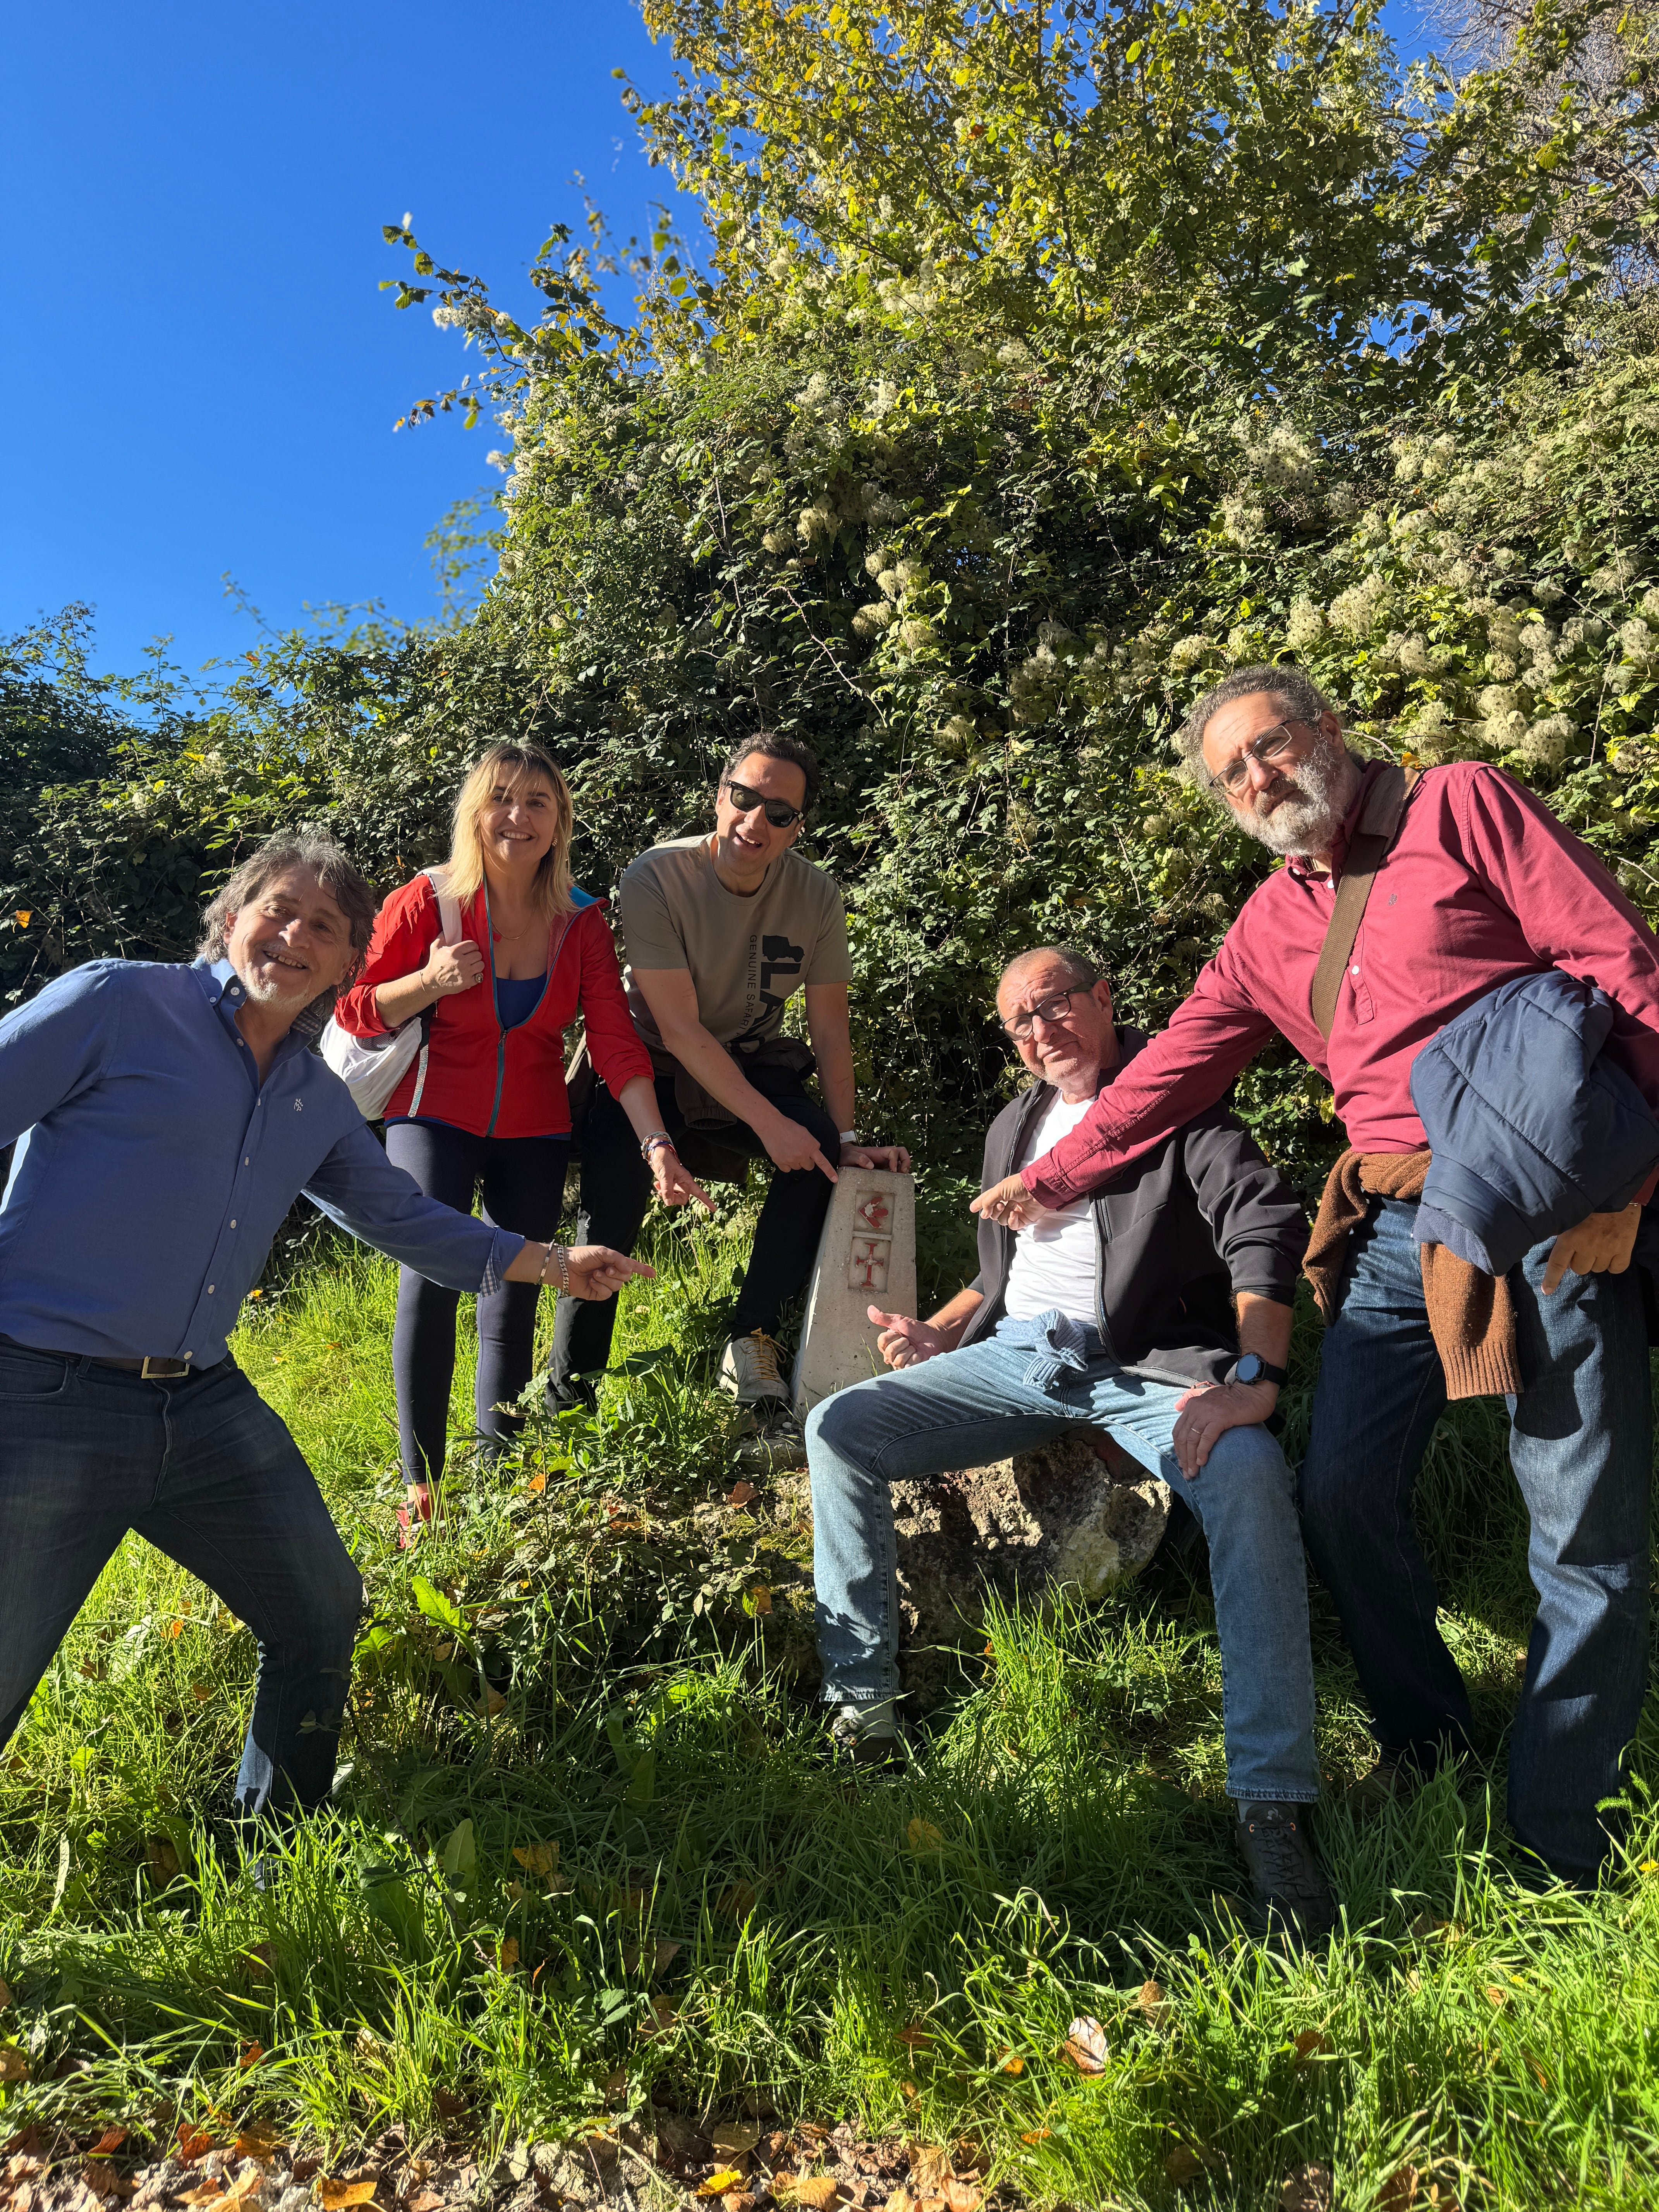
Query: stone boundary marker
[[867, 1256]]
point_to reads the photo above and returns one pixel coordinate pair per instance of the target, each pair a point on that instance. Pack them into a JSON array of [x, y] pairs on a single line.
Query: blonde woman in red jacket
[[489, 1109]]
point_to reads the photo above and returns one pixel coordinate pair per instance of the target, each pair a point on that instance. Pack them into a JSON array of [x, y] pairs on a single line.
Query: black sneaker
[[1287, 1883], [1391, 1782], [776, 1445], [851, 1745], [574, 1394]]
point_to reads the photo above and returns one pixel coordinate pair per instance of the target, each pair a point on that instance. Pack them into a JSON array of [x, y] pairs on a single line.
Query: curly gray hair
[[1296, 692], [311, 849]]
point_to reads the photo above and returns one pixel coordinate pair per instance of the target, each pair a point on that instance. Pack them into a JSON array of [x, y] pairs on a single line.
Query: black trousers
[[523, 1180], [615, 1190]]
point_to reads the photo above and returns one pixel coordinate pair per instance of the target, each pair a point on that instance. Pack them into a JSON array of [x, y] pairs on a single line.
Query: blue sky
[[200, 375]]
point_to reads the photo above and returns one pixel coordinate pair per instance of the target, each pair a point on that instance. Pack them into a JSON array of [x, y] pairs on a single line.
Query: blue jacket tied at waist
[[1532, 1124]]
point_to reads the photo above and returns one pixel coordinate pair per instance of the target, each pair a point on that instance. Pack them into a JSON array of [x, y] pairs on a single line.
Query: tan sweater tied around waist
[[1471, 1314]]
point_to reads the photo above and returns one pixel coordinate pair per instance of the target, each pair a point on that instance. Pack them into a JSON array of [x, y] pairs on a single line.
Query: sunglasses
[[778, 811]]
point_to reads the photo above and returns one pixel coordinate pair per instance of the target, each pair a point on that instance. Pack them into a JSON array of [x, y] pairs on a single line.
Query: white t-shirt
[[1057, 1259]]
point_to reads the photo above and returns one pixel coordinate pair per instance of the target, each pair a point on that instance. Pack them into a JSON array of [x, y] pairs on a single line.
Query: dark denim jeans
[[616, 1191], [203, 1470], [1581, 1446]]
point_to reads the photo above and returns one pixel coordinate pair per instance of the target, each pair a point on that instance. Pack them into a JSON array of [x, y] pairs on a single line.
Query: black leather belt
[[154, 1370]]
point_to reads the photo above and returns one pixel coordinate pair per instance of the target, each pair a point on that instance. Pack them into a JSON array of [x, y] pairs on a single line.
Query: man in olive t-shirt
[[720, 931]]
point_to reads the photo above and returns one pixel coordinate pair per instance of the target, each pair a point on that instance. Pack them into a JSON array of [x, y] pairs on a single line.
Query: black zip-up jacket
[[1179, 1234]]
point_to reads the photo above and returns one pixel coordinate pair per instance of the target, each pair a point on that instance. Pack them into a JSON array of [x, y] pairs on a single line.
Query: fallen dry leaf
[[194, 2142], [962, 2196], [740, 1493], [207, 2192], [735, 2137], [739, 2200], [508, 1956], [257, 2141], [5, 1997], [1011, 2063], [451, 2103], [1398, 2192], [817, 2190], [1086, 2045], [14, 2067], [336, 2196], [1496, 1998], [260, 1962], [427, 2201], [536, 1483], [663, 2013], [914, 2037], [1182, 2165], [724, 2178], [737, 1901], [1310, 2044], [1307, 2190], [930, 2169], [112, 2139], [251, 2056], [1036, 2134], [922, 1836], [760, 1599], [1153, 2002]]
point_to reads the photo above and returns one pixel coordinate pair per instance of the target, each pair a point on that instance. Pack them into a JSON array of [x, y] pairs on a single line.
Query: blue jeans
[[968, 1407], [1581, 1446], [203, 1470]]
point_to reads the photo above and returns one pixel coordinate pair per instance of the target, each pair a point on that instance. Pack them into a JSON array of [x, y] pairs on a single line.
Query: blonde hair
[[464, 870]]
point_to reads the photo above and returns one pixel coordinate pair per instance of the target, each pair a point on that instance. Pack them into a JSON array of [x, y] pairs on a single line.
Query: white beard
[[1324, 787]]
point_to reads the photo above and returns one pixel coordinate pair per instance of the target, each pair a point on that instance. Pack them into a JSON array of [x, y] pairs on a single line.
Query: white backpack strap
[[449, 914], [449, 922]]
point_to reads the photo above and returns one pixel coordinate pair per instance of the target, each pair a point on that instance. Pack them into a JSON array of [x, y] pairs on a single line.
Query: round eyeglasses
[[1267, 747]]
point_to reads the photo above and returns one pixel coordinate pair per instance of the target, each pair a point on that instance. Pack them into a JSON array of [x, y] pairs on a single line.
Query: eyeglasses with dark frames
[[1267, 747], [1050, 1010], [778, 811]]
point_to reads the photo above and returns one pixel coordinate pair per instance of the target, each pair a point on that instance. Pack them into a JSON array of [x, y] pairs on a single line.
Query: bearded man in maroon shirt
[[1482, 885]]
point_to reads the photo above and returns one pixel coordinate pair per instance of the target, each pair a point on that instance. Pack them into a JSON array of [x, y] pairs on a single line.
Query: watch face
[[1249, 1368]]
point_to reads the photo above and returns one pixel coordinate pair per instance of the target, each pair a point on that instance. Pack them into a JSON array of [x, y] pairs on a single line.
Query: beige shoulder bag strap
[[1379, 826]]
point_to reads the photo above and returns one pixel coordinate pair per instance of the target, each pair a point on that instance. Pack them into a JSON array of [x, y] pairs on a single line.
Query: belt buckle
[[163, 1370]]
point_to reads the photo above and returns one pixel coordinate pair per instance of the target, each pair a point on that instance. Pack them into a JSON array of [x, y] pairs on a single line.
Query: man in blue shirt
[[167, 1118]]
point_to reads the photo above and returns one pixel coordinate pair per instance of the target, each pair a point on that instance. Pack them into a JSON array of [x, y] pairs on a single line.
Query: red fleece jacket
[[492, 1081]]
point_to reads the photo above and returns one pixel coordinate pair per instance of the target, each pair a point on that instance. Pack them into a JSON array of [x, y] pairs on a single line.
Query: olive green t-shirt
[[748, 956]]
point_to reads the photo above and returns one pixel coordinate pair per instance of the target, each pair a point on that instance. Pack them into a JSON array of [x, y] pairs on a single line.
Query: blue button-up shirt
[[154, 1168]]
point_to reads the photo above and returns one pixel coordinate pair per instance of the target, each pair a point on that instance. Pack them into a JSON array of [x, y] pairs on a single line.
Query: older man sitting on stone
[[1159, 1310]]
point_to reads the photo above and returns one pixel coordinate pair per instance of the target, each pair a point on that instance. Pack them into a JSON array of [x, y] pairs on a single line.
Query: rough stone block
[[867, 1256], [1079, 1513]]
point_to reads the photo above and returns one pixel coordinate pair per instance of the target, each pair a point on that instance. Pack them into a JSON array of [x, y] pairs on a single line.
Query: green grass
[[577, 1669]]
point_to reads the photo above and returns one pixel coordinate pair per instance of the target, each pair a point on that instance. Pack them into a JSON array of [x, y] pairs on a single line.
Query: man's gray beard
[[263, 994], [1309, 822]]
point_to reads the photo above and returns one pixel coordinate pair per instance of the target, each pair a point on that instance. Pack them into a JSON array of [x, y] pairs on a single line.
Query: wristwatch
[[1251, 1367]]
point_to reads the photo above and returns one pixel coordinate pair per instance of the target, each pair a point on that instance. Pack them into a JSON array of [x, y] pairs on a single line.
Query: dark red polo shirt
[[1482, 884]]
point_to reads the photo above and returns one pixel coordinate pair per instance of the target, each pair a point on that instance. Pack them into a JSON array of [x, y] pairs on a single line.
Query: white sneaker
[[750, 1371]]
